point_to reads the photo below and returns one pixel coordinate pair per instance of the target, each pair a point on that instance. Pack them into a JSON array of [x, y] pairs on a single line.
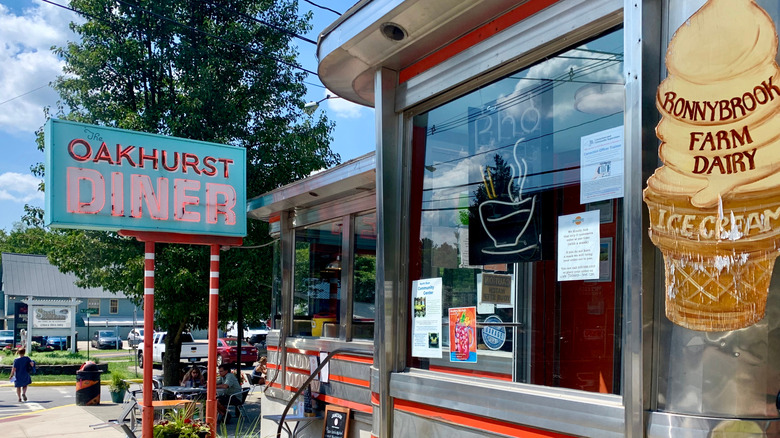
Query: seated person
[[227, 385], [193, 378], [259, 373]]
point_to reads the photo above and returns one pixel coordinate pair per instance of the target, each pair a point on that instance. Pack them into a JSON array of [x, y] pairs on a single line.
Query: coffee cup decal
[[506, 221]]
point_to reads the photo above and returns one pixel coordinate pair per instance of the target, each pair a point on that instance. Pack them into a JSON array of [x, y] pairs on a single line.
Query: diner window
[[113, 306], [317, 282], [499, 176], [93, 304], [364, 280]]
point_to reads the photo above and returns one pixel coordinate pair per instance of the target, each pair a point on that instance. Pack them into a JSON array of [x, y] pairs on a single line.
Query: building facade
[[524, 150]]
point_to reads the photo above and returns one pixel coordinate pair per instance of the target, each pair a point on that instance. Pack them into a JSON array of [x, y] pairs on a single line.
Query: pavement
[[90, 421]]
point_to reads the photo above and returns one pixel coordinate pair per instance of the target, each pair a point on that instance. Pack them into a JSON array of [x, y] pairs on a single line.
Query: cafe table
[[188, 394]]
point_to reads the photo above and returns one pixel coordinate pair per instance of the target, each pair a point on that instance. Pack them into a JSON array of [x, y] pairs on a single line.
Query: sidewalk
[[75, 421], [62, 421]]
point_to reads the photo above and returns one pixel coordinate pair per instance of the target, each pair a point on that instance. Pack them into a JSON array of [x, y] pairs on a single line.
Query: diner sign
[[114, 179]]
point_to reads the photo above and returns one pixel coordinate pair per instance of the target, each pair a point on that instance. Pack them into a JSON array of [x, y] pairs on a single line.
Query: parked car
[[135, 337], [255, 334], [106, 339], [6, 338], [191, 351], [57, 342], [227, 351]]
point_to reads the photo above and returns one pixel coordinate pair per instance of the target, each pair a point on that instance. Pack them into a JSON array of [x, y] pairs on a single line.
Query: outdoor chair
[[237, 401]]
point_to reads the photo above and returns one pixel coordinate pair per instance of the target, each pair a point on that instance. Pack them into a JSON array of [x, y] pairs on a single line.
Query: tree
[[204, 70]]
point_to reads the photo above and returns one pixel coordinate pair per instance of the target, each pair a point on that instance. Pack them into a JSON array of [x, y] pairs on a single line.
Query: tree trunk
[[239, 333], [172, 358]]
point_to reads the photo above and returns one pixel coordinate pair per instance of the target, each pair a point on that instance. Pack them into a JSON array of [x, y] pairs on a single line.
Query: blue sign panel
[[114, 179], [493, 336]]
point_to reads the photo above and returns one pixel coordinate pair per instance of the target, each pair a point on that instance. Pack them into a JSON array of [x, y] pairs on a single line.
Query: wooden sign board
[[336, 422]]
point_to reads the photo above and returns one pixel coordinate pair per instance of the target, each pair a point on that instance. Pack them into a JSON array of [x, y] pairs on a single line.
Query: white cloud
[[343, 108], [19, 188], [27, 64]]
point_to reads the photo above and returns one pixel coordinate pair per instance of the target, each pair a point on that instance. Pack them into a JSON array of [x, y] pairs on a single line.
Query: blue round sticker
[[493, 336]]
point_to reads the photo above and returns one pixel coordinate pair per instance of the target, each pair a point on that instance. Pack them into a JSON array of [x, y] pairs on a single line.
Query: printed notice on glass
[[578, 246], [426, 318], [601, 165]]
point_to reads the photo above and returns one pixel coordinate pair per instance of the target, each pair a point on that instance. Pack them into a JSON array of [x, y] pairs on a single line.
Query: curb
[[102, 383]]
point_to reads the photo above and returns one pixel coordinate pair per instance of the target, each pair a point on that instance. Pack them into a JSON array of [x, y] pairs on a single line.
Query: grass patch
[[47, 358]]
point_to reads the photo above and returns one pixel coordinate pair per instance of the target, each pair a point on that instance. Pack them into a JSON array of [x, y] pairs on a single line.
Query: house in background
[[29, 277]]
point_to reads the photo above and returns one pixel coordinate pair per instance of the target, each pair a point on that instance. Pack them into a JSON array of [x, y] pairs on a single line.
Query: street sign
[[90, 311]]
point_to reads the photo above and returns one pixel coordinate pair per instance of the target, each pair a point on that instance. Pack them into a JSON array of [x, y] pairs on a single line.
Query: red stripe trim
[[472, 38], [375, 399], [272, 348], [354, 358], [299, 370], [474, 421], [274, 366], [346, 403], [474, 373], [149, 282], [275, 218], [350, 380]]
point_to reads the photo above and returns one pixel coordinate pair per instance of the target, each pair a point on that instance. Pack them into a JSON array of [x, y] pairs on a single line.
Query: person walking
[[21, 372]]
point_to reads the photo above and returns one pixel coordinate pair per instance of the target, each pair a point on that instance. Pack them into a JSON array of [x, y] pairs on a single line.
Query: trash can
[[88, 385]]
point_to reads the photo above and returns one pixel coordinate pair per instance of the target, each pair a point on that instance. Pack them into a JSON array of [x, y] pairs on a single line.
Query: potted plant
[[179, 424], [118, 387]]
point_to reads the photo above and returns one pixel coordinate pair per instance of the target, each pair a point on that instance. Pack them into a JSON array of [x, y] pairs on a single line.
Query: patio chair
[[237, 401]]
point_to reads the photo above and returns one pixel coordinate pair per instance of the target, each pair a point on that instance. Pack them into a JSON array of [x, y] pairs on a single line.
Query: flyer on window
[[463, 334], [426, 318], [579, 246]]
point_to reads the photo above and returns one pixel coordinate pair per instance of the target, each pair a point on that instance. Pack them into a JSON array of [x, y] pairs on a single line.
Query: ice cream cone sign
[[715, 202]]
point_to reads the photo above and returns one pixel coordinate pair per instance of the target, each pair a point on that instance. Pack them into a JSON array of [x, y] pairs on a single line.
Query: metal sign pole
[[211, 382], [147, 417]]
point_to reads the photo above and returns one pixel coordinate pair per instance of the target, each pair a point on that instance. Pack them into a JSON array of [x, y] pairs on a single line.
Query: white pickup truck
[[191, 351]]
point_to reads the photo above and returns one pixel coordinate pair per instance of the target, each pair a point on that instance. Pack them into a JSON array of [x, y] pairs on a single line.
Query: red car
[[227, 351]]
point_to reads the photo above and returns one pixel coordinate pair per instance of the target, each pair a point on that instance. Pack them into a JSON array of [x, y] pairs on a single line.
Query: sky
[[28, 30]]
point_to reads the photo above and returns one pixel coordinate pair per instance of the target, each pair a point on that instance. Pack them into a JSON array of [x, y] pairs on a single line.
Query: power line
[[272, 26], [217, 37], [323, 7], [242, 46], [23, 94]]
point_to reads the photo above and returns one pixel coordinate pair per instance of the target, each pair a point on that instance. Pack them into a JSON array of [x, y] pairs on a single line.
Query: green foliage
[[132, 69], [179, 423], [118, 382]]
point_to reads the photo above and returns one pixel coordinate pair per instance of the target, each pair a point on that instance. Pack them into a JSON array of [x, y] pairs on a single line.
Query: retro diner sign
[[114, 179]]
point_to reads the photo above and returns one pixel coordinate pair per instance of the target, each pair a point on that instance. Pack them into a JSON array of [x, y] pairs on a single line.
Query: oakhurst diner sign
[[114, 179]]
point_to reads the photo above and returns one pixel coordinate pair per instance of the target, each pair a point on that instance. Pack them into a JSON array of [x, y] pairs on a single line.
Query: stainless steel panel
[[347, 268], [326, 344], [409, 425], [391, 287], [335, 209], [563, 410], [534, 38], [353, 177], [632, 347], [354, 370], [664, 425], [288, 264], [354, 47], [724, 374]]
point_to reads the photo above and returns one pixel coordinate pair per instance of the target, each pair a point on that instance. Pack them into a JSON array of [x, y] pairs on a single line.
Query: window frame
[[113, 306], [539, 36], [346, 211]]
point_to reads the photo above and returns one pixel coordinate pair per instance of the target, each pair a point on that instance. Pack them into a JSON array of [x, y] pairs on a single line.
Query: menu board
[[336, 422]]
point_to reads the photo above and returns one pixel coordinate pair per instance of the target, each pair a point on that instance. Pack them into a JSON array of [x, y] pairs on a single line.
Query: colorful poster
[[426, 318], [578, 246], [463, 334]]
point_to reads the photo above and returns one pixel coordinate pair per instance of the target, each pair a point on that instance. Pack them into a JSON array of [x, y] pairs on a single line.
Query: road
[[40, 398]]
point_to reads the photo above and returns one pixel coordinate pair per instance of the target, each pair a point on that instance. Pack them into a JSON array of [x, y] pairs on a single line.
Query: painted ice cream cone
[[715, 203]]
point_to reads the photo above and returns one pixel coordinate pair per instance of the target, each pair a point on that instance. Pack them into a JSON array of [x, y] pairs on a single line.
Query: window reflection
[[364, 281], [498, 167], [317, 284]]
